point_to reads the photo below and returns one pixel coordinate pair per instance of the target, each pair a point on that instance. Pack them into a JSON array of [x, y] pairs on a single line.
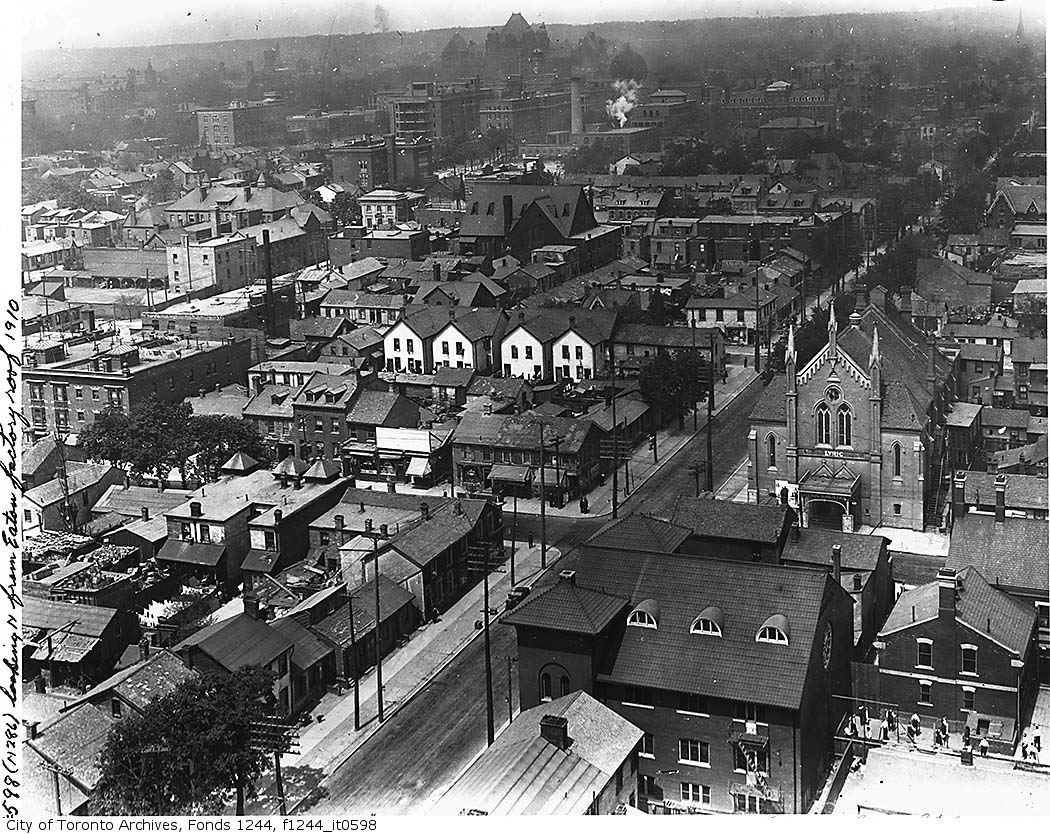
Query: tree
[[217, 438], [592, 158], [160, 438], [162, 188], [963, 211], [660, 384], [108, 438], [189, 750]]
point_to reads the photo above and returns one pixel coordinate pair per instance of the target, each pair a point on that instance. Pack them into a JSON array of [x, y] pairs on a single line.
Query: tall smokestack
[[270, 327], [576, 101]]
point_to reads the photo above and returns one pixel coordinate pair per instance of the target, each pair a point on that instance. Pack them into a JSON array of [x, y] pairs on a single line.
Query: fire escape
[[933, 501]]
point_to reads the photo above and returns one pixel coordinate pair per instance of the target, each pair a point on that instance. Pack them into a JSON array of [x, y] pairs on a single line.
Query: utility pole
[[479, 558], [379, 657], [616, 443], [757, 369], [513, 539], [543, 502], [710, 413], [357, 662], [510, 691], [692, 333]]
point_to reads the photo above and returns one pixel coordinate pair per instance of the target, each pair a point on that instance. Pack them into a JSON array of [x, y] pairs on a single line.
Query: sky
[[49, 24]]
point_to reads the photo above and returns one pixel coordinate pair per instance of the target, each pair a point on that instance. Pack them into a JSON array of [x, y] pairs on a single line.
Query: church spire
[[833, 330], [789, 354], [875, 358], [1020, 24]]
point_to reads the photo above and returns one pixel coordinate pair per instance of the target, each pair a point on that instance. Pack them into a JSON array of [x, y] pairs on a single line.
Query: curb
[[374, 726]]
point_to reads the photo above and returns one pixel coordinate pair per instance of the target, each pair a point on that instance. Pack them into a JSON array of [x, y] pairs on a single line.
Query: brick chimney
[[195, 509], [958, 496], [1000, 499], [424, 510], [877, 297], [144, 649], [145, 513], [836, 562], [437, 271], [555, 729], [946, 590], [508, 212], [339, 522]]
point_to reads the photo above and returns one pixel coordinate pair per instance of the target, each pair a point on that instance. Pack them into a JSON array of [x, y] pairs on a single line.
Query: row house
[[502, 453], [363, 308], [435, 558], [1008, 495], [1030, 365], [635, 345], [556, 344]]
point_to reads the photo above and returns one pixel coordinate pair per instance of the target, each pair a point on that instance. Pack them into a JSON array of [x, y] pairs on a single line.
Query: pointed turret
[[790, 360], [875, 370], [833, 330], [875, 358]]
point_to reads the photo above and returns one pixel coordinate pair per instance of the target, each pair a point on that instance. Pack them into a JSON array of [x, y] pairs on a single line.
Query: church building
[[862, 435]]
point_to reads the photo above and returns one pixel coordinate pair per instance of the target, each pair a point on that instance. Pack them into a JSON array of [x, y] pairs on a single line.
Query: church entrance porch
[[830, 501]]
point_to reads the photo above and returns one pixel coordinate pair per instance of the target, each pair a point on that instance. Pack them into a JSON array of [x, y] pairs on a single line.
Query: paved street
[[407, 764]]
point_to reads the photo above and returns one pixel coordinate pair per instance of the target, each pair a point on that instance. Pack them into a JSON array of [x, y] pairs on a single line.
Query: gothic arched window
[[896, 460], [771, 450], [823, 425], [845, 426]]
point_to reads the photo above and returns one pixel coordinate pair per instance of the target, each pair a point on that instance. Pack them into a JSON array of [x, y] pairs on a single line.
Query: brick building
[[733, 690], [253, 123]]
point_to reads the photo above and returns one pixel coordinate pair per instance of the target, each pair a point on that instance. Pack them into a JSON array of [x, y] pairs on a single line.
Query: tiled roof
[[706, 517], [1010, 554], [524, 774], [269, 200], [74, 741], [373, 408], [1022, 491], [426, 540], [238, 642], [813, 547], [309, 649], [152, 678], [353, 298], [78, 475], [977, 604], [567, 607], [734, 666], [640, 532]]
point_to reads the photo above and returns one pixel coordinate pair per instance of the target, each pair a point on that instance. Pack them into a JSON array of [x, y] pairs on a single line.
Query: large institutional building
[[859, 435]]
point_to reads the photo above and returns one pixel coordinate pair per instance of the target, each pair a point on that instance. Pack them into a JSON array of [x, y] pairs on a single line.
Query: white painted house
[[409, 344], [470, 340], [558, 344]]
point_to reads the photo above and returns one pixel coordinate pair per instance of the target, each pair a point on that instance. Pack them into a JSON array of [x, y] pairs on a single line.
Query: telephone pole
[[757, 354]]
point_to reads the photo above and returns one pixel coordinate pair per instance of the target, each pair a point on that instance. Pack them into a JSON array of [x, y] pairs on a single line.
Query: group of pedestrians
[[1032, 744]]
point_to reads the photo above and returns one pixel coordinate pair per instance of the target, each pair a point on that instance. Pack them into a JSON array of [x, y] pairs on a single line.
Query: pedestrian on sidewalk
[[984, 746], [532, 539], [1037, 738]]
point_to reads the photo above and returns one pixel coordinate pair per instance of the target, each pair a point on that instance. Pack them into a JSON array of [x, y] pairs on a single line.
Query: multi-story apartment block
[[65, 387], [258, 123]]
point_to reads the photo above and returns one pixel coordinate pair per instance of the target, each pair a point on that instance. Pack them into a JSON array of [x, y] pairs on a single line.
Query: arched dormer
[[646, 614], [709, 622], [774, 630]]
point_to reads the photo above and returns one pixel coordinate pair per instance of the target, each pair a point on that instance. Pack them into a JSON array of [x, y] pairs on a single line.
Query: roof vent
[[568, 576], [555, 729]]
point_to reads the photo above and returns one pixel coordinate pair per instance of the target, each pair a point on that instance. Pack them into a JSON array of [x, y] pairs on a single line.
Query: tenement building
[[859, 436]]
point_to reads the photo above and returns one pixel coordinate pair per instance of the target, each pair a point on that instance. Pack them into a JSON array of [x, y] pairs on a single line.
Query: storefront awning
[[191, 553], [554, 477], [418, 467], [510, 474]]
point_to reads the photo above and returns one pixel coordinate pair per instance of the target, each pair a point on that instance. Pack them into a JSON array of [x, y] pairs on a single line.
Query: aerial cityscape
[[531, 417]]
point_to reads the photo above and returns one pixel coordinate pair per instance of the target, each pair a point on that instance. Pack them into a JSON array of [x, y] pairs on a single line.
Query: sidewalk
[[331, 739], [641, 466], [734, 488]]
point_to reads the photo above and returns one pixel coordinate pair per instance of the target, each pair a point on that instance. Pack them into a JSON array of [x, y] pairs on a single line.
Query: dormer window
[[645, 615], [774, 630], [709, 622]]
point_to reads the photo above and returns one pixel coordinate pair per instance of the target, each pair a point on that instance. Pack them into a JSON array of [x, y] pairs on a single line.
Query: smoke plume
[[382, 19], [627, 97]]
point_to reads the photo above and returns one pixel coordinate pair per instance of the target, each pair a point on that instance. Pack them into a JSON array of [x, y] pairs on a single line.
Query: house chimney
[[946, 592], [362, 507], [32, 728], [576, 105], [836, 562], [384, 531], [203, 190], [144, 649], [796, 531], [215, 222], [277, 516], [145, 513], [298, 481], [521, 316], [572, 321], [195, 508], [437, 271], [424, 510], [251, 605], [858, 582], [459, 508], [555, 729], [247, 193], [339, 522], [368, 525], [568, 576], [931, 365], [877, 297], [1000, 499], [958, 496]]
